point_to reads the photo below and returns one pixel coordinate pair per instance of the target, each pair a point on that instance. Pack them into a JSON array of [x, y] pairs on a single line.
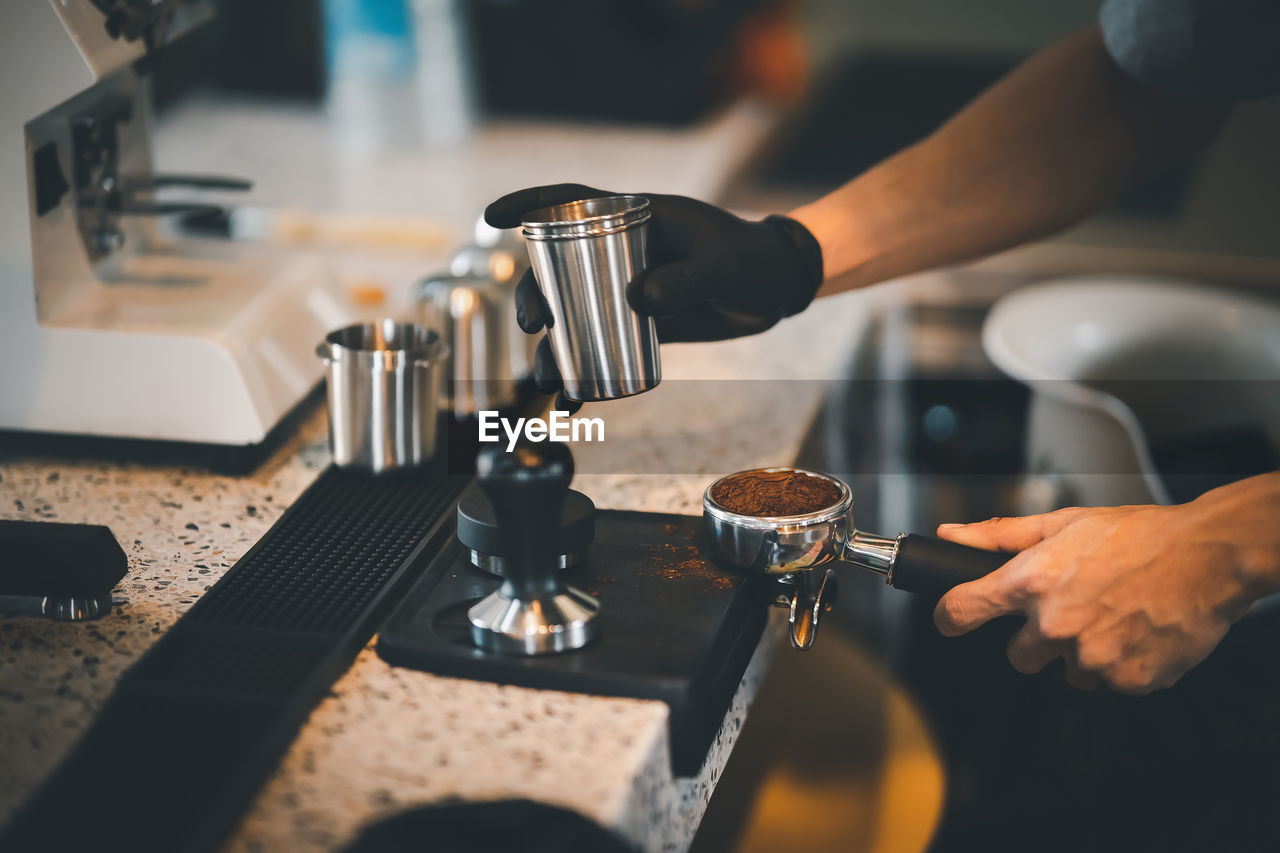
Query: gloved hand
[[711, 275]]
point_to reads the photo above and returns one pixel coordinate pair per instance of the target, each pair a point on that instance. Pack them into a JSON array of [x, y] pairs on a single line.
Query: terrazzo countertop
[[387, 738]]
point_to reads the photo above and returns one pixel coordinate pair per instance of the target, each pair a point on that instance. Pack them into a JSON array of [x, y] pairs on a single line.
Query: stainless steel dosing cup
[[584, 253], [383, 388]]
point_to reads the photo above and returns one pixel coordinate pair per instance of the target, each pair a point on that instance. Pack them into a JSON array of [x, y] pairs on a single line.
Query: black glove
[[711, 275]]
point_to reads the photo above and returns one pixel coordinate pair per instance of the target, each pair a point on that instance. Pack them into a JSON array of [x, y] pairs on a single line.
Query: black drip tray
[[673, 626]]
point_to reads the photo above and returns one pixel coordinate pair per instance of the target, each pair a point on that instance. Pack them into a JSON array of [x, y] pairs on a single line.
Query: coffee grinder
[[108, 325]]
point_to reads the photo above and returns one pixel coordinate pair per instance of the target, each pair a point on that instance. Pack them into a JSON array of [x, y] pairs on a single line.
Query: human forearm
[[1046, 146]]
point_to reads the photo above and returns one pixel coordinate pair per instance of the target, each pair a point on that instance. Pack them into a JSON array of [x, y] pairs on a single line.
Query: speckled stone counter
[[387, 738]]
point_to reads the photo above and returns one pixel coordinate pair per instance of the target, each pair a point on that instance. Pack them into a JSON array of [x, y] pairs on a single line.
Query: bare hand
[[1135, 596]]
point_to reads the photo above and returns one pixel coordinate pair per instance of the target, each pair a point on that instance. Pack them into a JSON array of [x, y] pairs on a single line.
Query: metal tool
[[473, 316], [584, 255], [533, 612], [796, 548], [479, 531], [62, 571], [383, 390], [500, 256]]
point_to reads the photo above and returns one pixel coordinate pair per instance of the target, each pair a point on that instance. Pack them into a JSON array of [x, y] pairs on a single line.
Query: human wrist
[[1246, 517], [803, 248], [852, 256]]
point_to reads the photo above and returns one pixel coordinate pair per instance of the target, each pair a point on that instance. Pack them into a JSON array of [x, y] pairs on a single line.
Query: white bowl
[[1092, 349]]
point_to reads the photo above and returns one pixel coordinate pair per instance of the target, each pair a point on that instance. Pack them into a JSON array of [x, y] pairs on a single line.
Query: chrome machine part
[[75, 609], [533, 612], [383, 388], [584, 254], [807, 595], [504, 261], [473, 316], [69, 609]]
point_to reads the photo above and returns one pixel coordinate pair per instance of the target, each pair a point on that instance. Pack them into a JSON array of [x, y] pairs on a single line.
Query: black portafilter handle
[[526, 487], [929, 567]]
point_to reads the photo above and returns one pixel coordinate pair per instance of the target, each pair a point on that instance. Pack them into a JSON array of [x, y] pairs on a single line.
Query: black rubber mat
[[193, 728], [673, 626]]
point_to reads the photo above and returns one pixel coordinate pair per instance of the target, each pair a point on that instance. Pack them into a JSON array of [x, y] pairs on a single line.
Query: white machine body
[[108, 327]]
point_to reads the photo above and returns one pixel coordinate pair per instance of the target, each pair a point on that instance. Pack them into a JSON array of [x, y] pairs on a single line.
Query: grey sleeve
[[1221, 50]]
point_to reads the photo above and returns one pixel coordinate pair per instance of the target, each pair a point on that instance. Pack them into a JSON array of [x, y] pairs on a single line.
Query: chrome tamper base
[[557, 623]]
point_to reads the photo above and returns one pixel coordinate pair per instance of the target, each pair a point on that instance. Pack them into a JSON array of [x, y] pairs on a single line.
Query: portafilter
[[801, 550]]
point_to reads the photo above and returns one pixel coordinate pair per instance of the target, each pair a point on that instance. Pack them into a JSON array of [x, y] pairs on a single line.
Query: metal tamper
[[532, 613], [479, 532]]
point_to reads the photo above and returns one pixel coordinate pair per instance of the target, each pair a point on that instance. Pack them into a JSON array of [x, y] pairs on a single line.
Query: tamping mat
[[674, 626]]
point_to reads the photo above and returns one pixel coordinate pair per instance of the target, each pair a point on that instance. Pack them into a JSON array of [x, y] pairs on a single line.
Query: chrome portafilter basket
[[802, 551]]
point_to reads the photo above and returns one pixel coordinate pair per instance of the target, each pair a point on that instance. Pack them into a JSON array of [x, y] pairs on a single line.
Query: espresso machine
[[112, 325]]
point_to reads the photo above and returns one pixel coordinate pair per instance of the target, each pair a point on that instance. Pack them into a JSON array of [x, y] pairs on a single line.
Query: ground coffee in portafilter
[[770, 493]]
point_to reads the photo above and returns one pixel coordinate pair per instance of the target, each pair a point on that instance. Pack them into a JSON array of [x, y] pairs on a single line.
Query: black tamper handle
[[526, 487], [929, 567]]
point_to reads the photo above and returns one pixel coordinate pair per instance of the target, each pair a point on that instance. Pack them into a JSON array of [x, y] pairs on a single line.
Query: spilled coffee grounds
[[768, 493]]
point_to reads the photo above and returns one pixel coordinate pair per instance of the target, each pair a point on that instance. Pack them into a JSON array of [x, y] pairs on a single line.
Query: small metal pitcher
[[383, 390]]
